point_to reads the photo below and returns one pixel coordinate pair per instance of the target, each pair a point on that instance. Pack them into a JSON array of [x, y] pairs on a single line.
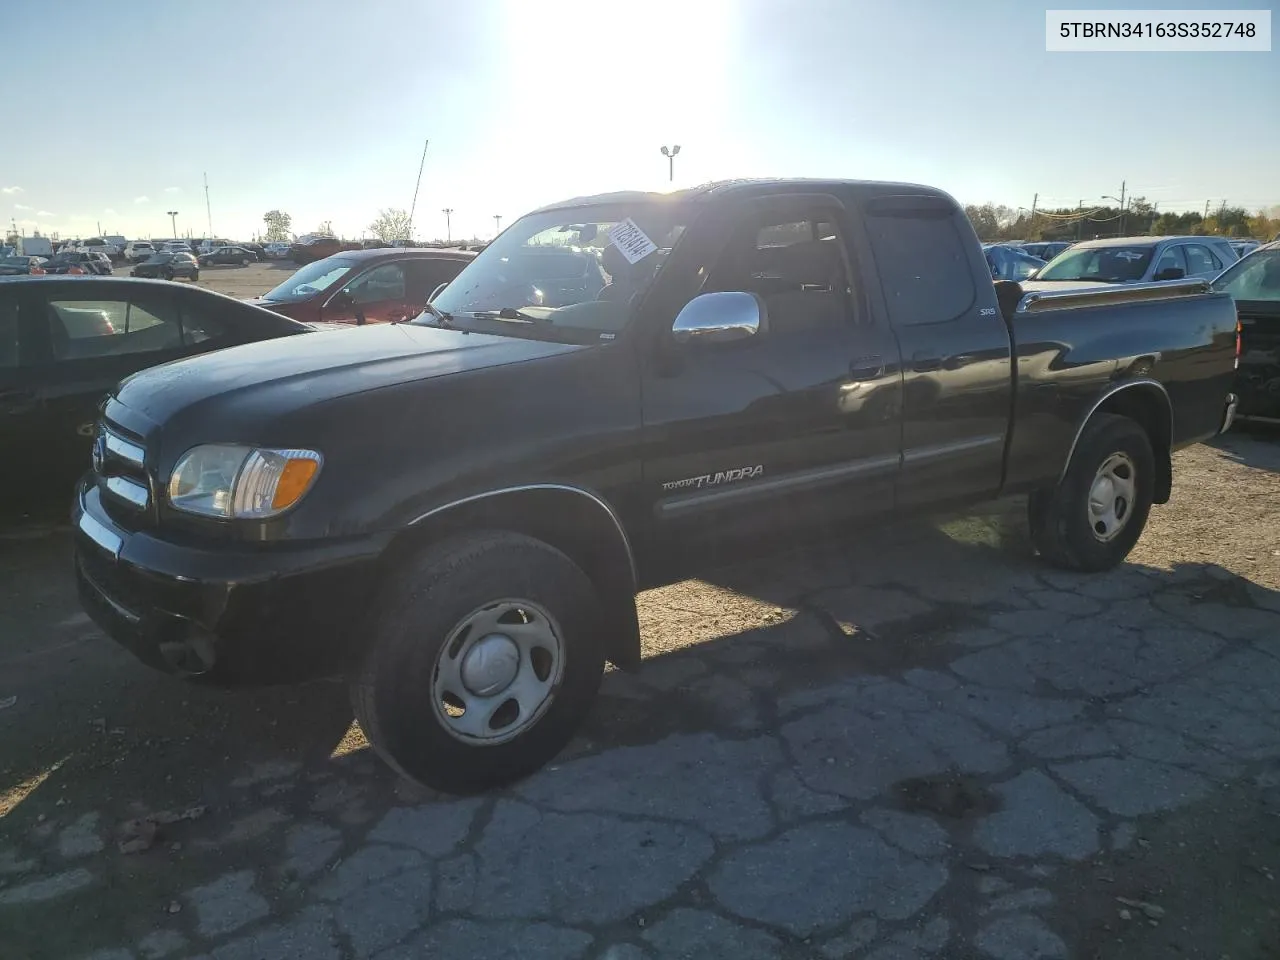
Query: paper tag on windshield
[[631, 240]]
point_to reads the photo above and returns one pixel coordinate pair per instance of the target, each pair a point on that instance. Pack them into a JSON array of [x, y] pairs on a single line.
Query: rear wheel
[[485, 657], [168, 274], [195, 275], [1092, 519]]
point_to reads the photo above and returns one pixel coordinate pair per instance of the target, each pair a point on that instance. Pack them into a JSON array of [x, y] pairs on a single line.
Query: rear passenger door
[[90, 336], [956, 356], [1202, 262], [1171, 259]]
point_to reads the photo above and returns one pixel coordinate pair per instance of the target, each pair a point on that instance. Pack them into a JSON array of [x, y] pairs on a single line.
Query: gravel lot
[[918, 742], [251, 281]]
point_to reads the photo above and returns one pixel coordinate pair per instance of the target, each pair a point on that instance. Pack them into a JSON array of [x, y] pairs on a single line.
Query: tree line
[[995, 222]]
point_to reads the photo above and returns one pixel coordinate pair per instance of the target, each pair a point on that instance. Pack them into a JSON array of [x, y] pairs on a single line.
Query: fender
[[1166, 407], [611, 567]]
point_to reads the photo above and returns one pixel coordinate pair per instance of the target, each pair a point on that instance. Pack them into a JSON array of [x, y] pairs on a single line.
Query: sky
[[321, 108]]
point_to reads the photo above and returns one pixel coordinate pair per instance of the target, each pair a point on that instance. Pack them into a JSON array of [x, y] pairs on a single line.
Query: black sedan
[[66, 341], [19, 266], [228, 256], [168, 266]]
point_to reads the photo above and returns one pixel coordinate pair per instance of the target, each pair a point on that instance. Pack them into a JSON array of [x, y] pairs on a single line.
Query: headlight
[[224, 480]]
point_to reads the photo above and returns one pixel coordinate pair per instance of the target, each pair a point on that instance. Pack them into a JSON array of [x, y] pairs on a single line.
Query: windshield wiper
[[445, 319], [508, 313]]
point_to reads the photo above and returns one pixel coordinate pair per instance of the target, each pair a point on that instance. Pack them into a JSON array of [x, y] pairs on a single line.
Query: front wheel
[[168, 274], [484, 659], [1092, 519], [195, 275]]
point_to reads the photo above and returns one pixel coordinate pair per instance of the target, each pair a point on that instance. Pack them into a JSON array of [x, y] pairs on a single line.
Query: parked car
[[1135, 260], [365, 286], [314, 248], [118, 242], [65, 342], [1044, 249], [138, 250], [99, 245], [503, 476], [78, 261], [277, 250], [1010, 263], [256, 249], [174, 246], [1245, 247], [238, 256], [13, 266], [206, 245], [1254, 284], [168, 266]]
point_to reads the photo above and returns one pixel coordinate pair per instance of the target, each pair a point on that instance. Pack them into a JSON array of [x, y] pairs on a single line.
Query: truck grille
[[119, 467]]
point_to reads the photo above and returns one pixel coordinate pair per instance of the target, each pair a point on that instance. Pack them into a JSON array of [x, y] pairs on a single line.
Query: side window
[[385, 282], [923, 264], [10, 351], [199, 325], [1200, 260], [795, 262], [421, 277], [82, 329], [1171, 259]]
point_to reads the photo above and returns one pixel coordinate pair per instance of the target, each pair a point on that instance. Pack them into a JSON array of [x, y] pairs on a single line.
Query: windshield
[[1257, 278], [310, 280], [582, 269], [160, 258], [1106, 264]]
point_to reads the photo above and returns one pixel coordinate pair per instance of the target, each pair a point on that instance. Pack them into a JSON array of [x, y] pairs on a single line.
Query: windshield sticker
[[1130, 255], [631, 240]]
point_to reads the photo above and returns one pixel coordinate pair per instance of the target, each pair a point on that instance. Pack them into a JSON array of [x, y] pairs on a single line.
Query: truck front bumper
[[229, 612]]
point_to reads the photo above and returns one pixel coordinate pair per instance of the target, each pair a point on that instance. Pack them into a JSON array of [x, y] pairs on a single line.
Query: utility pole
[[670, 154], [1206, 211], [207, 209], [1079, 219], [99, 228], [497, 224], [173, 223], [1035, 200], [1122, 186], [448, 224]]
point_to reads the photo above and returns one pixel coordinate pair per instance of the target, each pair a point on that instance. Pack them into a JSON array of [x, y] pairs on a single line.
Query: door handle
[[866, 368], [925, 363]]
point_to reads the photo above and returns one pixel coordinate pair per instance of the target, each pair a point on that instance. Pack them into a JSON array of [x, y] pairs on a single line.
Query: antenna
[[414, 206], [207, 210]]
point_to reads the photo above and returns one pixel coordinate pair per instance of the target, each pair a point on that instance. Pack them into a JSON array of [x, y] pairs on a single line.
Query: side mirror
[[1171, 273], [436, 292], [342, 299], [719, 318]]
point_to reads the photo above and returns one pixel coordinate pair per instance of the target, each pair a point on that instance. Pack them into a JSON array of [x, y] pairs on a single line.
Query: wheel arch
[[579, 523], [1147, 403]]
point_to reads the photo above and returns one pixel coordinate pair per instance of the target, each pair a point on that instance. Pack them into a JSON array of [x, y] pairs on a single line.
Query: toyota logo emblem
[[99, 452]]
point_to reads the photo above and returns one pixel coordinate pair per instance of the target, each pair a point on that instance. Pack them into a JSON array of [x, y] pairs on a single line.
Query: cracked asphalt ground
[[912, 743]]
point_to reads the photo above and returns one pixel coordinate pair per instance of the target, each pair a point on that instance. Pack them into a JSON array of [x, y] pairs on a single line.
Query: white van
[[34, 247]]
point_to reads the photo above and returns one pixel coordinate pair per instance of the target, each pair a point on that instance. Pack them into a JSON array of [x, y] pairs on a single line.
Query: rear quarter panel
[[1067, 359]]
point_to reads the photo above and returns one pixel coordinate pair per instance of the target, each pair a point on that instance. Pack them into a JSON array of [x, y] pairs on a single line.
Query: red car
[[317, 248], [365, 286]]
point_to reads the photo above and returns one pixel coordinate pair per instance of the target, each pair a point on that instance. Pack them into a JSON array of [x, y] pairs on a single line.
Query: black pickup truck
[[457, 513]]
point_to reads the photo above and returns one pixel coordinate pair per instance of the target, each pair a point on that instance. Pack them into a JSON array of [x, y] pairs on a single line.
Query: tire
[[168, 274], [195, 275], [402, 693], [1073, 529], [245, 262]]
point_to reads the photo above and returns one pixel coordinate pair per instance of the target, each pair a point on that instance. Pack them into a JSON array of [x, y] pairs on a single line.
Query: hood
[[277, 376], [1051, 286], [298, 310]]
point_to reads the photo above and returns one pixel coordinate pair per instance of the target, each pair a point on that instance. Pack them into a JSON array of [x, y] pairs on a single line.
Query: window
[[86, 329], [199, 324], [795, 264], [1201, 261], [1171, 259], [423, 275], [385, 282], [923, 264], [9, 346]]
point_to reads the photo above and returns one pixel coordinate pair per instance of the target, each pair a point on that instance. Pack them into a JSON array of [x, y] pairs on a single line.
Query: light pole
[[1119, 200], [448, 224], [173, 223], [497, 224], [670, 154]]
